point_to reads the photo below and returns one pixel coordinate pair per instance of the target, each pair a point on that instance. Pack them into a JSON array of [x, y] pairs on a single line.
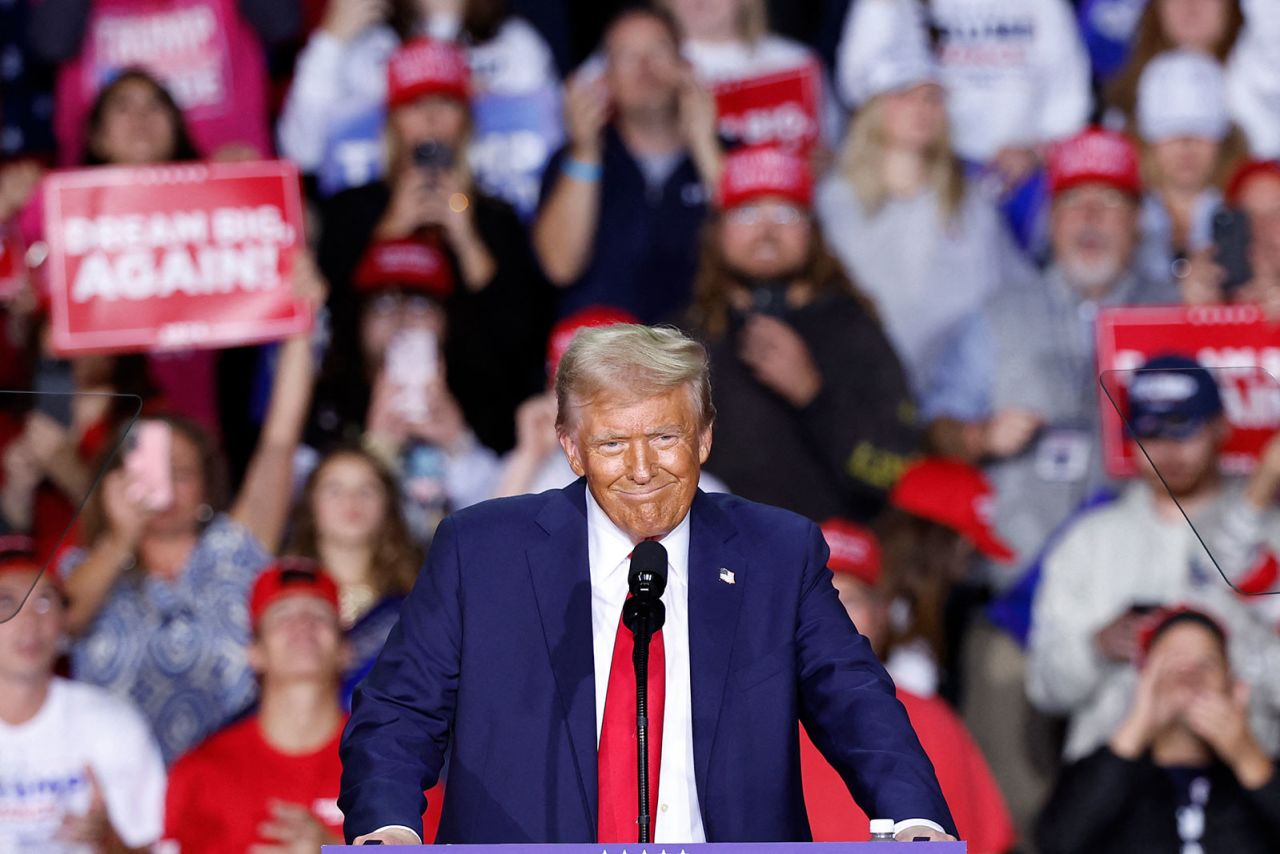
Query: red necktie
[[616, 759]]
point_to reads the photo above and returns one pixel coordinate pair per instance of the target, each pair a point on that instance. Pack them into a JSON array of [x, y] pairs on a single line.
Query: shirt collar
[[609, 547]]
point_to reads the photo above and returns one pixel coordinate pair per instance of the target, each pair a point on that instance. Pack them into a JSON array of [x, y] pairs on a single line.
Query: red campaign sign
[[174, 256], [183, 42], [1237, 343], [781, 108]]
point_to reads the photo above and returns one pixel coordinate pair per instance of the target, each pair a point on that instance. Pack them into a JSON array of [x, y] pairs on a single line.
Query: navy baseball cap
[[1172, 397]]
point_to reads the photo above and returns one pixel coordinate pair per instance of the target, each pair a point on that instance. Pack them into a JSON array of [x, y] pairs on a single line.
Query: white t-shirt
[[43, 762]]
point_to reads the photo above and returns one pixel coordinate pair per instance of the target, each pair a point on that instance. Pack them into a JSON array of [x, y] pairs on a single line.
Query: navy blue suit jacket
[[492, 661]]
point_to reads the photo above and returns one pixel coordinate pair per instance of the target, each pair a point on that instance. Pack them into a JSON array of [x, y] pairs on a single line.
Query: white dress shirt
[[677, 819]]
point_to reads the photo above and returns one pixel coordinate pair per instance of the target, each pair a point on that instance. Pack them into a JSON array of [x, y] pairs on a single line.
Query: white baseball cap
[[1183, 93], [898, 55]]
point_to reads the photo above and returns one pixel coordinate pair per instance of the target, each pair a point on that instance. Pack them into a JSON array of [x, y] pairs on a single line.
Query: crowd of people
[[900, 304]]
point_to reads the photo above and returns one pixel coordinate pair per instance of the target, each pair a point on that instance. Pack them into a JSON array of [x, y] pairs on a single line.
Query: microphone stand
[[641, 614]]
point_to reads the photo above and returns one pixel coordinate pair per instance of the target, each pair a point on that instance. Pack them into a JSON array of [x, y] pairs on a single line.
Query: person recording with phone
[[157, 589], [1243, 264], [497, 308], [801, 361]]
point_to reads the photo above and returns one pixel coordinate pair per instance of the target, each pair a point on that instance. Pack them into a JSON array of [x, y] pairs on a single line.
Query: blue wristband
[[579, 171]]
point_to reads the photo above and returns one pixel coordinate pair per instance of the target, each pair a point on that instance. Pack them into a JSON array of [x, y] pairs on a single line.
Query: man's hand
[[1202, 282], [1008, 432], [345, 19], [1118, 639], [1222, 721], [1265, 480], [292, 829], [444, 425], [919, 831], [393, 836], [93, 829], [1150, 711], [536, 426], [586, 111], [780, 359]]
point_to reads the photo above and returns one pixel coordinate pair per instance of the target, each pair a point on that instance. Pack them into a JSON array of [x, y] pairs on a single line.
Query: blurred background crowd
[[899, 300]]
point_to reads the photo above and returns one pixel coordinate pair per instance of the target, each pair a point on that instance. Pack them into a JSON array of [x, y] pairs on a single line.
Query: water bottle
[[882, 830]]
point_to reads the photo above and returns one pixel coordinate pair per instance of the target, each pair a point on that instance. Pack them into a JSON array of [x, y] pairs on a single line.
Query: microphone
[[643, 613], [646, 579]]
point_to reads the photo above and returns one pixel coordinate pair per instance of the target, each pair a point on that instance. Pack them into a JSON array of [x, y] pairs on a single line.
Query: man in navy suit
[[509, 658]]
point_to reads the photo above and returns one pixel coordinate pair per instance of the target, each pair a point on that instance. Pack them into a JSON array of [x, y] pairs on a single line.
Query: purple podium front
[[693, 848]]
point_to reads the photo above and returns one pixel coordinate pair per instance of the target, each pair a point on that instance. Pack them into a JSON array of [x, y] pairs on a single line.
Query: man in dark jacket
[[1183, 772], [802, 366]]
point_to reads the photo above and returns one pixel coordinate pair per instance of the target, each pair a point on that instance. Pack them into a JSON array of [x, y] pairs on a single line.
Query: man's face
[[643, 68], [641, 457], [299, 639], [1094, 229], [29, 641], [1189, 465], [766, 239], [866, 606]]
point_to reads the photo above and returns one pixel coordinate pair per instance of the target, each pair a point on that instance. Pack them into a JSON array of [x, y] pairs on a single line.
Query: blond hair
[[862, 159], [633, 360]]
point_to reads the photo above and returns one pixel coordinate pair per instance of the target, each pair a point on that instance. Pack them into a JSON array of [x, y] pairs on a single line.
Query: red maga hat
[[756, 173], [1245, 173], [427, 67], [1094, 156], [854, 550], [564, 330], [406, 265], [290, 576], [953, 494]]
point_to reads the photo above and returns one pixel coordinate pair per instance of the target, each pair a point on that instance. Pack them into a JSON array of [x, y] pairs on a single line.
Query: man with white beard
[[1023, 388]]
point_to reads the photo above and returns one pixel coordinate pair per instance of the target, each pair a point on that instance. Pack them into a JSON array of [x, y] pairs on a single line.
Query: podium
[[692, 848]]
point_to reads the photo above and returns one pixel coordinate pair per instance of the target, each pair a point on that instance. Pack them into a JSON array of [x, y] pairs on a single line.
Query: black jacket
[[838, 455], [1104, 804]]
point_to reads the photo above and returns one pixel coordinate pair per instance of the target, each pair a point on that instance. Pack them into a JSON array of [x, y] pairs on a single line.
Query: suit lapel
[[560, 571], [713, 620]]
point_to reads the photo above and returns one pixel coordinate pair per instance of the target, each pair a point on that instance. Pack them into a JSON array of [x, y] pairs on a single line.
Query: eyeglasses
[[776, 214], [384, 305], [42, 604]]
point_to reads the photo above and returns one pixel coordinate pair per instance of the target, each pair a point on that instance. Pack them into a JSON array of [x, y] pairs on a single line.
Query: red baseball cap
[[953, 494], [1245, 173], [564, 330], [427, 67], [1160, 619], [17, 554], [755, 173], [1094, 156], [290, 576], [854, 550], [407, 264]]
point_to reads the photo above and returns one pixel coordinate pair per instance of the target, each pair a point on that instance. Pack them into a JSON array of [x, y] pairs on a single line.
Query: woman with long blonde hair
[[898, 214]]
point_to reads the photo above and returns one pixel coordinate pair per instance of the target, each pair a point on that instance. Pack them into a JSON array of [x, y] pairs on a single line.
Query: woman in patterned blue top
[[158, 597], [349, 520]]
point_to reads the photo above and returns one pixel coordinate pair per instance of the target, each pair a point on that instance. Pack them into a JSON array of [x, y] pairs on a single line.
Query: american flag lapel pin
[[726, 575]]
